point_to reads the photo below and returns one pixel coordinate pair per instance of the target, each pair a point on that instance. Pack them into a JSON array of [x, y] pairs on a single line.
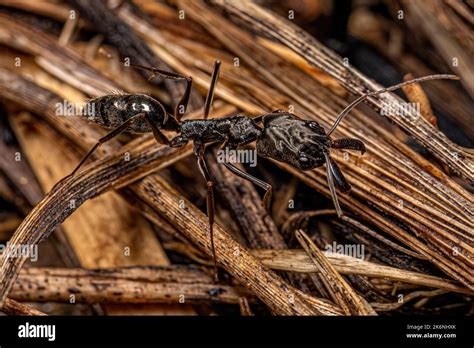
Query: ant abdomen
[[112, 110]]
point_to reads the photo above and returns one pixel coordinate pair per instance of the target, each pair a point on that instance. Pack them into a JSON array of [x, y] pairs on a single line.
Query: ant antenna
[[388, 89]]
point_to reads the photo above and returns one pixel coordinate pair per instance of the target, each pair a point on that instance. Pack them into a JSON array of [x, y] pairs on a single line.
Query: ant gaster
[[284, 137]]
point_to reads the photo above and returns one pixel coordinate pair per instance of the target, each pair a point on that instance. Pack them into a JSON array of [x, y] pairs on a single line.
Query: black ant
[[283, 137]]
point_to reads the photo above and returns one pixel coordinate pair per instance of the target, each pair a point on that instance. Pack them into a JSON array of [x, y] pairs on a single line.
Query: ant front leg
[[199, 152], [267, 198], [335, 177], [340, 180], [349, 144]]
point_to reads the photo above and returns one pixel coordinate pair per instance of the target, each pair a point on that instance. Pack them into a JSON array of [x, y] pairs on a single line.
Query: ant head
[[310, 155], [288, 139]]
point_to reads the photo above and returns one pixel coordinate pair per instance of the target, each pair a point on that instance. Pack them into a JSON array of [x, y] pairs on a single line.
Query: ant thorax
[[288, 139], [234, 130]]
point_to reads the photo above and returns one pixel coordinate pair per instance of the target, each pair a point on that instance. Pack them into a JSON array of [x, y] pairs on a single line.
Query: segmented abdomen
[[111, 111]]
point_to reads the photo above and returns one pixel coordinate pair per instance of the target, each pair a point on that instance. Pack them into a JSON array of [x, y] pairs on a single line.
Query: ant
[[284, 137]]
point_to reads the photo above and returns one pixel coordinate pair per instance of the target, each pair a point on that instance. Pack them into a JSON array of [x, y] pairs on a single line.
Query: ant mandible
[[284, 137]]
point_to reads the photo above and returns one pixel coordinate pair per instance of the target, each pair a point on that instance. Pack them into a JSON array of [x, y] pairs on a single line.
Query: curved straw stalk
[[409, 175]]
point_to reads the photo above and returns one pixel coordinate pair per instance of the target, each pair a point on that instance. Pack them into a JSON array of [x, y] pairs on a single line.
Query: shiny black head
[[288, 139]]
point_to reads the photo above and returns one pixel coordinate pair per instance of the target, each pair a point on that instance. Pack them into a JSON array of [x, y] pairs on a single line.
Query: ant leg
[[178, 141], [339, 178], [210, 92], [335, 176], [160, 137], [348, 143], [332, 188], [267, 198], [180, 108], [108, 137], [199, 152]]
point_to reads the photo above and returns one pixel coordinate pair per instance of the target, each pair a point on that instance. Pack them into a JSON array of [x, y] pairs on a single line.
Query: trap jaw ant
[[305, 145], [283, 137]]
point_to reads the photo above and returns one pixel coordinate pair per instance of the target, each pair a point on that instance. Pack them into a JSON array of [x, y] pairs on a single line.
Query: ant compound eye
[[303, 160], [313, 125]]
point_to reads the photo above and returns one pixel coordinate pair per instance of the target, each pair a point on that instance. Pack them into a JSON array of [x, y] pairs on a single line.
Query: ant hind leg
[[160, 137], [182, 104], [199, 152], [108, 137], [210, 92], [267, 198], [121, 128]]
